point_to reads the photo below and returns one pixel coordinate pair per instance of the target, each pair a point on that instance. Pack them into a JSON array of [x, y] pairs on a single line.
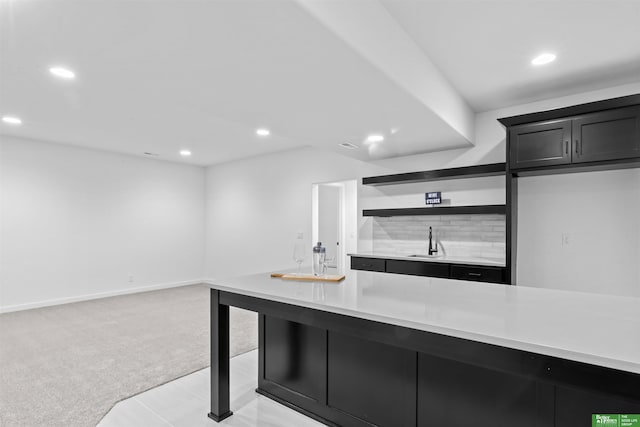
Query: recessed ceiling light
[[349, 146], [185, 153], [545, 58], [62, 73], [375, 138], [12, 120], [263, 132]]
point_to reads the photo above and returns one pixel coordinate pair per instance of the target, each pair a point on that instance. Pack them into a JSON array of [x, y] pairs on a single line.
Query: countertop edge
[[622, 365]]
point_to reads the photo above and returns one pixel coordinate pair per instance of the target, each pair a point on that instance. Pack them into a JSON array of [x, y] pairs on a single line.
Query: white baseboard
[[58, 301]]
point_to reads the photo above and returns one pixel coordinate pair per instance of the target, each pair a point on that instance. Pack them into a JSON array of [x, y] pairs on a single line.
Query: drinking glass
[[299, 252]]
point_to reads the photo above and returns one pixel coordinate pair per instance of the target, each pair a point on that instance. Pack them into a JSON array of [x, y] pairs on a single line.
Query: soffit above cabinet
[[574, 110]]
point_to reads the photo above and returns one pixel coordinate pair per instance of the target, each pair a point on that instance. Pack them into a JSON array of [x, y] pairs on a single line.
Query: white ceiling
[[163, 75], [484, 47]]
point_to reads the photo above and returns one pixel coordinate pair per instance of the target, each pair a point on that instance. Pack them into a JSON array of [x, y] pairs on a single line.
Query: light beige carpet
[[67, 365]]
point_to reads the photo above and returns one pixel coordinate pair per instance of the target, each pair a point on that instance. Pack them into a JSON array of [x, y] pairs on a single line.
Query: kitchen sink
[[424, 256]]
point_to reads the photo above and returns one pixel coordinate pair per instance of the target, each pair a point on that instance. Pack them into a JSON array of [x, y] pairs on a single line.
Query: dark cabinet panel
[[371, 381], [478, 273], [573, 407], [608, 135], [418, 268], [456, 394], [369, 264], [294, 356], [359, 373], [599, 136], [540, 144]]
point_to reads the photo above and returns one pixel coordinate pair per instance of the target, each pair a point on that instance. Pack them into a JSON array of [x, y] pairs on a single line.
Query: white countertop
[[598, 329], [492, 262]]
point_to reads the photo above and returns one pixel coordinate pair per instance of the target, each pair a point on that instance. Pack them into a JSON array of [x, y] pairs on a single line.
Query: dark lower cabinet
[[371, 381], [294, 357], [476, 273], [418, 268], [383, 375], [573, 407], [368, 264], [456, 394]]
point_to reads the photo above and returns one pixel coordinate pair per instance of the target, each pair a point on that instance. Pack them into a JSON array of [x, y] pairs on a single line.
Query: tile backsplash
[[461, 235]]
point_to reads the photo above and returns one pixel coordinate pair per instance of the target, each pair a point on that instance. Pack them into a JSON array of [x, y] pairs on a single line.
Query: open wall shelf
[[444, 210], [493, 169]]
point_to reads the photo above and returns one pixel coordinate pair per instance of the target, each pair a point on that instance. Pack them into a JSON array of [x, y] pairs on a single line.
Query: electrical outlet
[[565, 239], [131, 278]]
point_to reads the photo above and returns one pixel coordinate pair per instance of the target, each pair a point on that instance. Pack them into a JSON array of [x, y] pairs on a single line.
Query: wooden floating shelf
[[493, 169], [444, 210]]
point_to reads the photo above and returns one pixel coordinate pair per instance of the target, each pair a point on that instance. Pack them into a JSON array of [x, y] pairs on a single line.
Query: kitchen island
[[393, 350]]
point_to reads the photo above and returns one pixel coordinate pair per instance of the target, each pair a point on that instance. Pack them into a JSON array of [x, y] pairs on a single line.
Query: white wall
[[76, 223], [598, 213], [256, 206]]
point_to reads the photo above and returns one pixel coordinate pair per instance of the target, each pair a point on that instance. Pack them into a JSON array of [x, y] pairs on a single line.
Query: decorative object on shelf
[[433, 198]]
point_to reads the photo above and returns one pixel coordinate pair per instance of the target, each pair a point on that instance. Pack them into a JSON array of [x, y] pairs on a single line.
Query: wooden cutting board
[[309, 277]]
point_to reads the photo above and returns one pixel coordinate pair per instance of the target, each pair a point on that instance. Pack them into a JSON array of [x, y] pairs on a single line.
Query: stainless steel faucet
[[433, 245]]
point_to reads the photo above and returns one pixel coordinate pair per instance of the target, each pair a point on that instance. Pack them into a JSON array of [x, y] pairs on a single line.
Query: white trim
[[58, 301]]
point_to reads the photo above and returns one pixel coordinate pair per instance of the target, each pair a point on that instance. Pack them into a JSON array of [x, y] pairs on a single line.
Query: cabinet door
[[607, 135], [294, 358], [368, 264], [451, 393], [418, 268], [371, 381], [540, 144]]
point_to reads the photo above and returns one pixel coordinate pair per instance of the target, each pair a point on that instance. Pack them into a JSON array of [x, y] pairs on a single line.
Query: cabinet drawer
[[369, 264], [478, 273], [418, 268]]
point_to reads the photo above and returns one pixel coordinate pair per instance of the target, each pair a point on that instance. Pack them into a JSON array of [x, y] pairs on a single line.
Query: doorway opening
[[334, 221]]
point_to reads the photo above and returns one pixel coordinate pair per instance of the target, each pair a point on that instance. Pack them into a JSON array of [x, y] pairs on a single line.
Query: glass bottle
[[317, 263]]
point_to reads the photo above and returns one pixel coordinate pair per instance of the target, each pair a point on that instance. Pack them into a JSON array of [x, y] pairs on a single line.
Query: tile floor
[[185, 403]]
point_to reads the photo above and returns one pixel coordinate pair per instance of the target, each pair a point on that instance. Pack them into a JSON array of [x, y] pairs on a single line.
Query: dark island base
[[349, 371], [218, 418]]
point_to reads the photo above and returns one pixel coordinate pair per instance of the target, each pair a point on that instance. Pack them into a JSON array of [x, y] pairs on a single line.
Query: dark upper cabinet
[[540, 144], [605, 135], [608, 135]]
